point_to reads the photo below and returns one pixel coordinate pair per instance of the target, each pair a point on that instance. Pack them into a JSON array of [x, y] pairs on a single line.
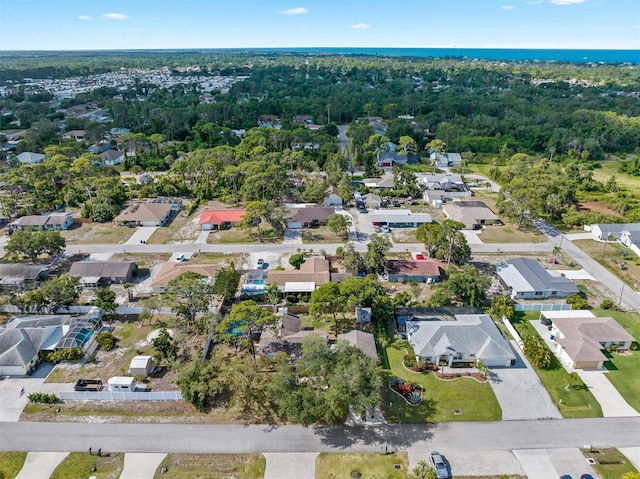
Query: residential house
[[372, 201], [398, 218], [77, 135], [332, 198], [631, 239], [313, 272], [220, 219], [386, 181], [389, 159], [99, 147], [111, 157], [445, 160], [18, 275], [302, 120], [172, 269], [460, 341], [525, 278], [308, 216], [30, 158], [421, 271], [145, 214], [22, 338], [612, 231], [443, 186], [473, 214], [580, 341], [52, 221], [362, 340], [289, 339], [94, 274], [269, 121], [118, 132]]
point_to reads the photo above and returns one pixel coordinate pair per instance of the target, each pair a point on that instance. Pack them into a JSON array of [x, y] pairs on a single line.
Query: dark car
[[586, 476], [566, 476], [545, 321]]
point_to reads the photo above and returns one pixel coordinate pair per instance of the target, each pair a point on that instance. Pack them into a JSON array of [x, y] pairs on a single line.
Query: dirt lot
[[97, 233], [179, 229]]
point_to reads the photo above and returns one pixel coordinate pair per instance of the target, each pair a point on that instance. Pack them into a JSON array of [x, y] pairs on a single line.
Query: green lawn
[[510, 234], [371, 465], [11, 463], [624, 374], [320, 235], [629, 321], [610, 463], [610, 255], [79, 465], [575, 402], [212, 466], [475, 401]]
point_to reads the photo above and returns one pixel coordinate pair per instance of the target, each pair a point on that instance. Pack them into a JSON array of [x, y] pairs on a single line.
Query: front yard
[[188, 466], [97, 233], [320, 234], [80, 465], [369, 465], [610, 255], [463, 399], [11, 463], [610, 463]]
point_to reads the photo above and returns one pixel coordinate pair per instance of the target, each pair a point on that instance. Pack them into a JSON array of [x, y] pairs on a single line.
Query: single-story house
[[372, 201], [22, 338], [404, 270], [52, 221], [448, 185], [361, 340], [580, 341], [142, 366], [313, 272], [386, 181], [611, 231], [399, 218], [332, 199], [99, 147], [145, 214], [30, 158], [111, 157], [172, 269], [303, 120], [389, 159], [525, 278], [77, 135], [117, 132], [631, 239], [14, 275], [445, 160], [473, 214], [289, 339], [94, 274], [308, 216], [220, 219], [461, 340]]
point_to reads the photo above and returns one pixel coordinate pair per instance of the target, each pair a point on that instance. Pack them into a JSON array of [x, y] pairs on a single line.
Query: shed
[[141, 366], [122, 384]]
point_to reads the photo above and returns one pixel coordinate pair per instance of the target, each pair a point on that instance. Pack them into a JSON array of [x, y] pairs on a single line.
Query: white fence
[[542, 307], [513, 332], [120, 396]]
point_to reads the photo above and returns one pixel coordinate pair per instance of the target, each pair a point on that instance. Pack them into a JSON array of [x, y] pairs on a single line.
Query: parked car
[[566, 476], [180, 258], [586, 476], [260, 263], [439, 465], [386, 229], [545, 321], [419, 256]]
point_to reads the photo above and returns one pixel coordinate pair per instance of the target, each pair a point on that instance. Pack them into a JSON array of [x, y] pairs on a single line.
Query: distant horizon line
[[320, 47]]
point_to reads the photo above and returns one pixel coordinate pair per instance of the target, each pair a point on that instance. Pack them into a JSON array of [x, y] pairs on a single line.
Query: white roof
[[140, 361], [569, 314], [121, 381], [299, 287]]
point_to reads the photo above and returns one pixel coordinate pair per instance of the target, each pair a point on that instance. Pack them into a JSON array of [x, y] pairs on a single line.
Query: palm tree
[[557, 251]]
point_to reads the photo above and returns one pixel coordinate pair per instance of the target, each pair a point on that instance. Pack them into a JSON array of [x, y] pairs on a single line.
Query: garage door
[[294, 225]]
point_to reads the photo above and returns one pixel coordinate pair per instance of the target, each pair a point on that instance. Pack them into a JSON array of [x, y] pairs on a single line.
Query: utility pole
[[620, 298]]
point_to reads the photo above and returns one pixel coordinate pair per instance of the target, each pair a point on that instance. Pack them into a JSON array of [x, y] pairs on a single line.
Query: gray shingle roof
[[525, 274]]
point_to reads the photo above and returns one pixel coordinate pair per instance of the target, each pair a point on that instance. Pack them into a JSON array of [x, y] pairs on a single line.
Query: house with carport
[[308, 216], [472, 214], [145, 214], [405, 270], [399, 218], [95, 274]]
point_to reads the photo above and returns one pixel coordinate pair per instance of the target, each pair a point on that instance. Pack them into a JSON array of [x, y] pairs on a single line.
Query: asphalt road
[[453, 436]]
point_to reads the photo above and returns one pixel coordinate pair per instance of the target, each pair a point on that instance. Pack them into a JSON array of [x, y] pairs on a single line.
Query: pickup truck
[[88, 385]]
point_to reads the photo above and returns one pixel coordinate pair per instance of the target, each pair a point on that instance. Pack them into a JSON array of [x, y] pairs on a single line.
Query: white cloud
[[508, 7], [295, 11], [566, 2], [114, 16], [534, 2], [85, 18], [360, 26]]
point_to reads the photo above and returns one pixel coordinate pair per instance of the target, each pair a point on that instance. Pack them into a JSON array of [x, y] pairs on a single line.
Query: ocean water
[[571, 56]]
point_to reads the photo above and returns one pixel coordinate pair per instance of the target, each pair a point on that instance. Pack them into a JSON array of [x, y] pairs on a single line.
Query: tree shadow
[[395, 436]]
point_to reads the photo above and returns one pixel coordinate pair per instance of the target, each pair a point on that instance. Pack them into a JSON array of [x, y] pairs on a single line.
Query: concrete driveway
[[40, 465], [611, 402], [290, 466], [292, 236], [633, 454], [550, 463], [12, 402], [141, 234], [141, 466], [520, 393]]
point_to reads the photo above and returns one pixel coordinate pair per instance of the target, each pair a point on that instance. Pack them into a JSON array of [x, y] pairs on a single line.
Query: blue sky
[[154, 24]]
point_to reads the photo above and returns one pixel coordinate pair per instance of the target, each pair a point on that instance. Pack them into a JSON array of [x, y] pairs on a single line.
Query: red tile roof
[[217, 217]]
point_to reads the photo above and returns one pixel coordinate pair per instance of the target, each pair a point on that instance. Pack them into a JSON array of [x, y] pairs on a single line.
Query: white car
[[439, 465]]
